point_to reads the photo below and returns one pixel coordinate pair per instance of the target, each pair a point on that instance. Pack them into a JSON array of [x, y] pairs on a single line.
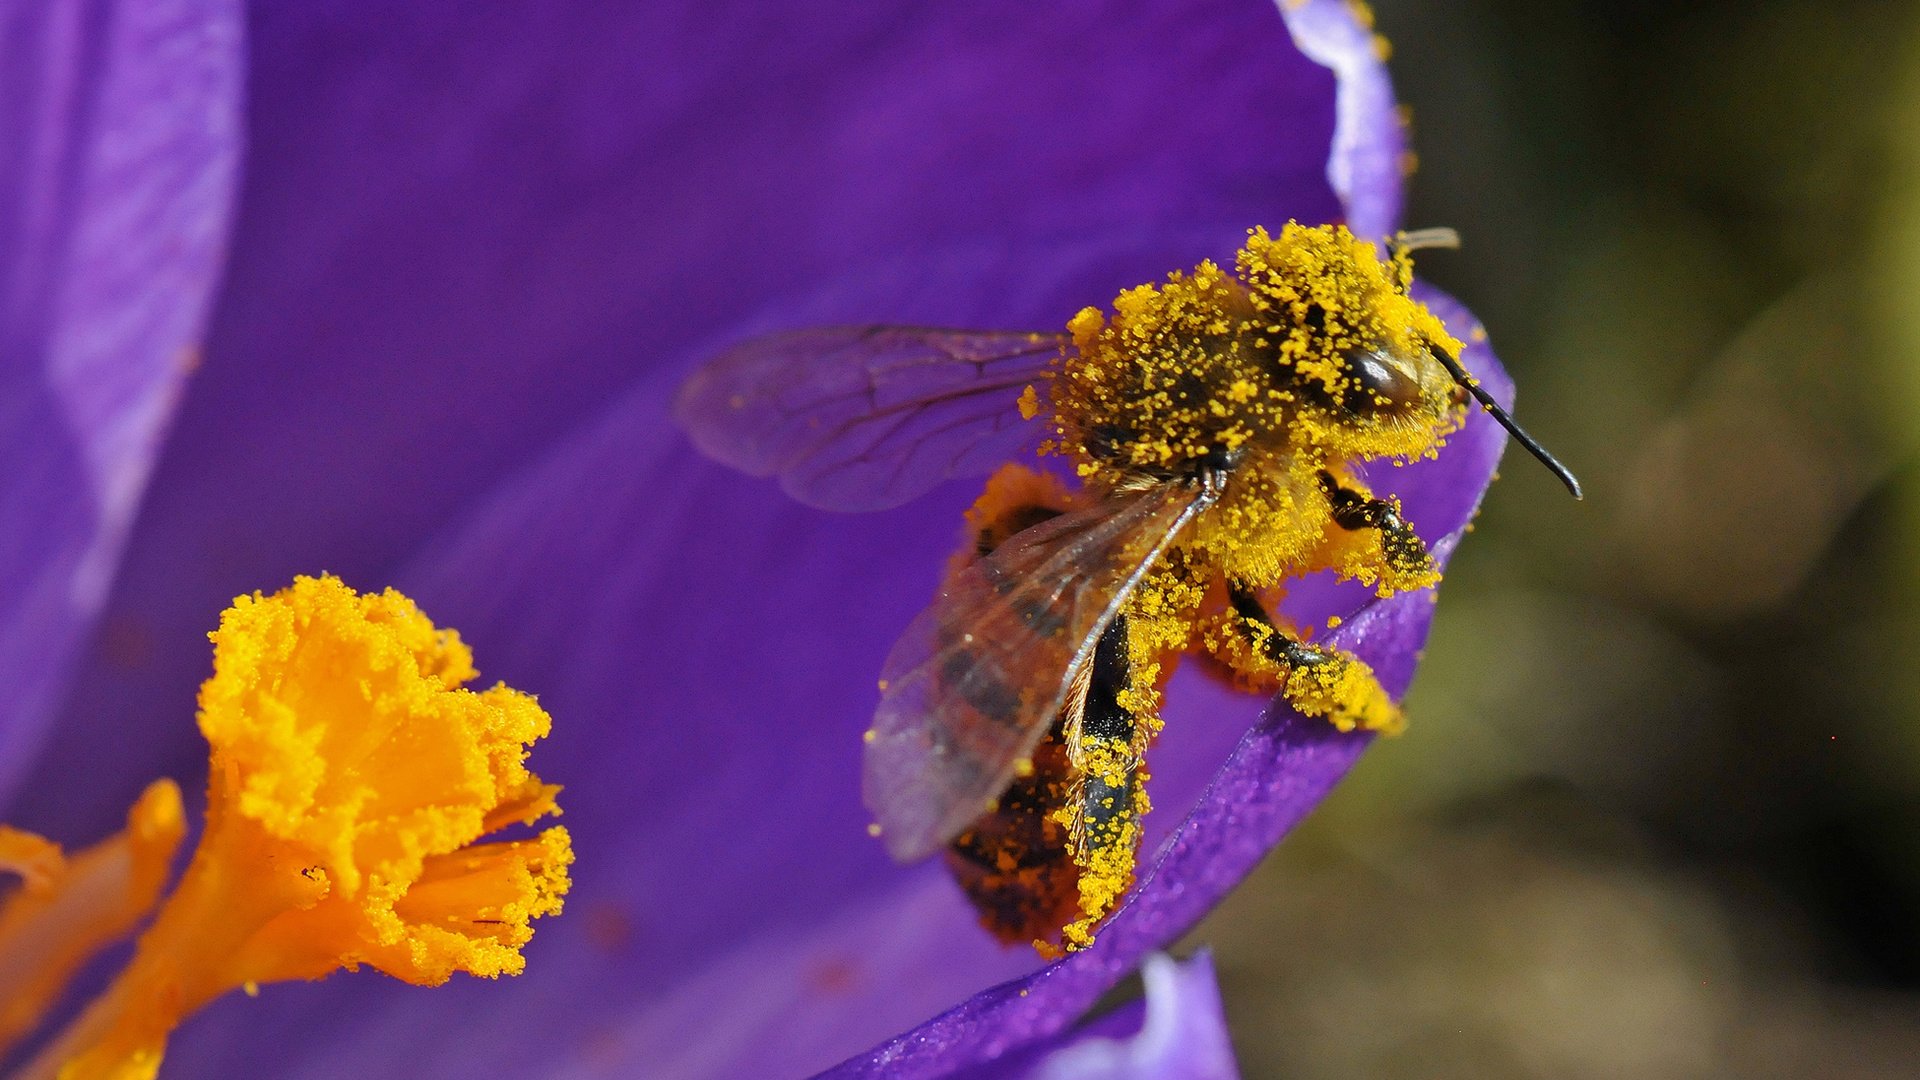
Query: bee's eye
[[1381, 384]]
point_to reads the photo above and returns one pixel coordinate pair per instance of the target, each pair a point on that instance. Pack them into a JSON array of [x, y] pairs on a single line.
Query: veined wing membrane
[[978, 677], [867, 417]]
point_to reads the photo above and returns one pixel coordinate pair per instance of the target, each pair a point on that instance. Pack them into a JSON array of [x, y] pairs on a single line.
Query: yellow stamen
[[351, 778], [37, 860], [66, 910]]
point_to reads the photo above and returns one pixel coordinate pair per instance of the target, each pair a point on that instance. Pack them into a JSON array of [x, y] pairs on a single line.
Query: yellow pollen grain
[[1029, 403]]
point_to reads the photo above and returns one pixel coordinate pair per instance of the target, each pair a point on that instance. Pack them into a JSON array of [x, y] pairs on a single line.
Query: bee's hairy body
[[1265, 387]]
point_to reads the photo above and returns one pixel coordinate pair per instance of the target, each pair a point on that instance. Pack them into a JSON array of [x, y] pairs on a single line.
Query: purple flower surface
[[470, 261], [119, 139]]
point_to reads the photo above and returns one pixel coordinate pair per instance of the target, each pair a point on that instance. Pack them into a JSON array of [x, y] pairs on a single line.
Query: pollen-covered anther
[[352, 778]]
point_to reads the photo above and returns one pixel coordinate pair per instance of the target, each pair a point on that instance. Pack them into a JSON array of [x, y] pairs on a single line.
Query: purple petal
[[119, 135], [1369, 159], [1179, 1034], [460, 237]]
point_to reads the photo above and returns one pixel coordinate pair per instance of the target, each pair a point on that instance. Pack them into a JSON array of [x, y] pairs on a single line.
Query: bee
[[1212, 431]]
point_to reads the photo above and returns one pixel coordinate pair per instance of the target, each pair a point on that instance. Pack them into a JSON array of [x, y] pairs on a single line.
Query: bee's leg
[[1111, 796], [1408, 565], [1315, 679]]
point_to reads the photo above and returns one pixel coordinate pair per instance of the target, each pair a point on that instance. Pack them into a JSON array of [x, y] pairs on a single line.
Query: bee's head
[[1345, 341], [1397, 377], [1383, 384], [1383, 374]]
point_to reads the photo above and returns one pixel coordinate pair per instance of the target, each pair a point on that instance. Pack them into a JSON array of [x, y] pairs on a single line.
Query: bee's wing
[[867, 417], [979, 676]]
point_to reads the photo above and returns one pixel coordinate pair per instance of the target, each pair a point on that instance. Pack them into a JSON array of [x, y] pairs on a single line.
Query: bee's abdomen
[[1016, 862]]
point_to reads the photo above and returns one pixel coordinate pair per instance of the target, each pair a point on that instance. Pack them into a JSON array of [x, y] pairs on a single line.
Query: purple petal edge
[[1280, 771], [1181, 1036], [1366, 167], [119, 142]]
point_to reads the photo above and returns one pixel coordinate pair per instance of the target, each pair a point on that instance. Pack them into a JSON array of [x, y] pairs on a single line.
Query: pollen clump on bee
[[1109, 826], [1345, 691], [1029, 403], [1160, 627], [1338, 687]]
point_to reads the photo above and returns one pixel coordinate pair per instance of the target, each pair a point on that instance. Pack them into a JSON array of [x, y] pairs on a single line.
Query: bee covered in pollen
[[1214, 427]]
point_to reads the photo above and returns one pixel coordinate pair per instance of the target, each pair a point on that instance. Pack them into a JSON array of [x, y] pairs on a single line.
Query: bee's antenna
[[1442, 237], [1519, 434]]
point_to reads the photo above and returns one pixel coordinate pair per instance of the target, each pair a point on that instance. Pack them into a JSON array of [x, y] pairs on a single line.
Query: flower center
[[351, 778]]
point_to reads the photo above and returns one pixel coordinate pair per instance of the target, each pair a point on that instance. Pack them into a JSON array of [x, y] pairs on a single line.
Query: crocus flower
[[428, 284]]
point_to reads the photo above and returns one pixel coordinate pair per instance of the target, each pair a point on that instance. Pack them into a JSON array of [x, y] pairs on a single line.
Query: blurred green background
[[1658, 810]]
